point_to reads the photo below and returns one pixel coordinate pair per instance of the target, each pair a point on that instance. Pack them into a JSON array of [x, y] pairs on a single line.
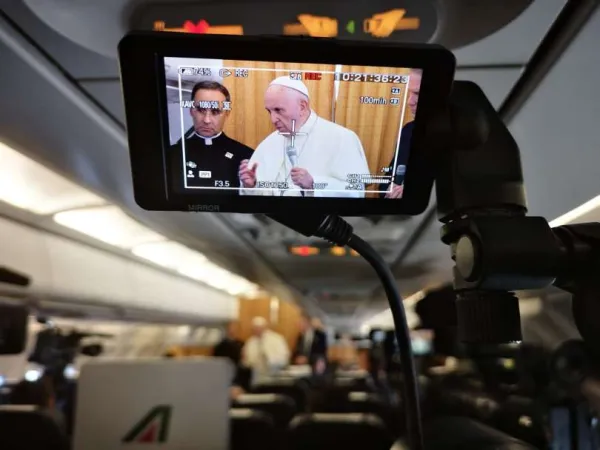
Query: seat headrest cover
[[241, 413], [247, 399], [19, 408], [250, 414], [338, 418], [358, 396], [277, 382]]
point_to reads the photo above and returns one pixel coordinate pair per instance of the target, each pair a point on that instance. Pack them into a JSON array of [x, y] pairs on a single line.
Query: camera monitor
[[222, 123]]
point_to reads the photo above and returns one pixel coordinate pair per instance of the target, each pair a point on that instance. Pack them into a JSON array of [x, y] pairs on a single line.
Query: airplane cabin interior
[[126, 327]]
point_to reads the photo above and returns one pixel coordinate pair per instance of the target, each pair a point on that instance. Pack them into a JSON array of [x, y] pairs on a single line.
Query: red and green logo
[[153, 428]]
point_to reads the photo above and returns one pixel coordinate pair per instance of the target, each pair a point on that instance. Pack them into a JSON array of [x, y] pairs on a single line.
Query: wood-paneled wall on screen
[[376, 125]]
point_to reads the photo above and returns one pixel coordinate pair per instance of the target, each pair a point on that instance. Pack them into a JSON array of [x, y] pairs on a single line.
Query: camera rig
[[55, 349], [497, 249]]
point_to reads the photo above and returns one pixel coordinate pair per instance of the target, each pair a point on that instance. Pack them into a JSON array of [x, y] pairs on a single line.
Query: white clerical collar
[[309, 122], [207, 140]]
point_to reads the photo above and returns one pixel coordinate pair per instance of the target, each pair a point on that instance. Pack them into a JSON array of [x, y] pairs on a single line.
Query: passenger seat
[[363, 402], [462, 433], [280, 407], [297, 390], [24, 427], [251, 430], [339, 431]]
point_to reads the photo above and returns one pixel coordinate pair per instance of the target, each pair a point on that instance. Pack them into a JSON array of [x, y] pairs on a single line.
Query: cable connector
[[332, 228], [339, 232], [335, 230]]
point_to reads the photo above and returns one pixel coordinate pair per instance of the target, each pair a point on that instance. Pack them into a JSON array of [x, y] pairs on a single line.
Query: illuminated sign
[[304, 250], [200, 27], [338, 251], [397, 20], [384, 24], [321, 250], [379, 25], [314, 26]]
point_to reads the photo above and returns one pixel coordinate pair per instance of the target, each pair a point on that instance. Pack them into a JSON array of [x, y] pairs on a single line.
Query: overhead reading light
[[29, 185], [108, 224], [194, 265]]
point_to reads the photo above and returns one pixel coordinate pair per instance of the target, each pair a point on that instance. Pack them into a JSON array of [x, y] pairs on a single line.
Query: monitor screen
[[253, 128]]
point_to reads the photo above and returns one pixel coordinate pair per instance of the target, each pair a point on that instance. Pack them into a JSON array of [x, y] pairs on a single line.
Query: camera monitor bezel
[[141, 56]]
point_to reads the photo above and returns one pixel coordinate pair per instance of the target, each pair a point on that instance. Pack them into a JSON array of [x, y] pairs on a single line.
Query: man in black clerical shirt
[[230, 347], [395, 189], [212, 159], [311, 345]]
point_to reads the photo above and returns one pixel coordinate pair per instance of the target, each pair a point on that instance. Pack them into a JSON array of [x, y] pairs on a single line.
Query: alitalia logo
[[152, 428]]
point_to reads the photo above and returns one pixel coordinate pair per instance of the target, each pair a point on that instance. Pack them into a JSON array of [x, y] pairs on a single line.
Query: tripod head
[[497, 249]]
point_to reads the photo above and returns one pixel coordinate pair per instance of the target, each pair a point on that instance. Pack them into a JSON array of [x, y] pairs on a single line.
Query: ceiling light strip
[[576, 213]]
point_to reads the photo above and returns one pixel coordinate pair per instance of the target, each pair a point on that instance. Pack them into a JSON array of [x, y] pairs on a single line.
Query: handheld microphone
[[400, 171], [292, 155], [290, 150]]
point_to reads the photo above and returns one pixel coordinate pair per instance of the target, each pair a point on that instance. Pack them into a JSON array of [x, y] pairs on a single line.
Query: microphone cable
[[339, 232], [410, 385]]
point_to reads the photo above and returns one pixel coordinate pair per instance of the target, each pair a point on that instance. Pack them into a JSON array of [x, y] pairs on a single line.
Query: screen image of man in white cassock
[[307, 155], [266, 351]]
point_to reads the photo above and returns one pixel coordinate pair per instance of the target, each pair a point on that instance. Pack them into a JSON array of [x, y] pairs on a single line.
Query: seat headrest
[[241, 413], [249, 414], [346, 382], [361, 396], [278, 382], [338, 418], [468, 434], [358, 373], [18, 408], [253, 399]]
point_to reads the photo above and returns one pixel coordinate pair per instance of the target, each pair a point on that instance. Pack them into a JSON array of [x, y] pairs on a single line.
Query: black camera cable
[[339, 232]]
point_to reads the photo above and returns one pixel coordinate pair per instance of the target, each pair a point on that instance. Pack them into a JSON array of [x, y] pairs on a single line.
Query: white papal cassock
[[328, 151], [266, 354]]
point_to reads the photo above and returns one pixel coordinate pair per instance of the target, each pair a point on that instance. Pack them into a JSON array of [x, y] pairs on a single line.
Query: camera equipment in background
[[55, 349], [497, 250]]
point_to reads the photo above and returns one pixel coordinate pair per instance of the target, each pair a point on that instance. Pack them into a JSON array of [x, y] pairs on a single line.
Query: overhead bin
[[70, 271]]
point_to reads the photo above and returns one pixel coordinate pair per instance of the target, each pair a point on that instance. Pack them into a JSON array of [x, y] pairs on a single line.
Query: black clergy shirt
[[403, 154], [209, 162]]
